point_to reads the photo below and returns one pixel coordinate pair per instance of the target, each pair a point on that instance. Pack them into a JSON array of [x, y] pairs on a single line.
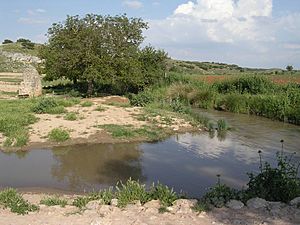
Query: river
[[187, 162]]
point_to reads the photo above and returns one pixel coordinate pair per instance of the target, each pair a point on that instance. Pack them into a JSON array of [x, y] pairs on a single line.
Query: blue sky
[[253, 33]]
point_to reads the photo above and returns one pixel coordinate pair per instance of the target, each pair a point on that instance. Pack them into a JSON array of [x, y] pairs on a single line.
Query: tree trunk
[[90, 88]]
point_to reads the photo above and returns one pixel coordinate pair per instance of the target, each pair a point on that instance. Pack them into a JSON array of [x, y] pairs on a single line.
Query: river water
[[187, 162]]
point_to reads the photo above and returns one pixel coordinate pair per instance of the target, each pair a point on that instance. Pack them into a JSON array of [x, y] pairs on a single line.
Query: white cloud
[[31, 21], [33, 12], [237, 31], [40, 10], [133, 4]]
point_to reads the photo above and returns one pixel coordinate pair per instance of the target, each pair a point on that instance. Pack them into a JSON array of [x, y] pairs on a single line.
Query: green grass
[[15, 117], [9, 198], [86, 104], [17, 48], [71, 116], [52, 201], [52, 105], [151, 133], [118, 104], [58, 135], [11, 80]]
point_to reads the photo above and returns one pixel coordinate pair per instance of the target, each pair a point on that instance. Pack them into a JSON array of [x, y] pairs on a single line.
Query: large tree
[[97, 49]]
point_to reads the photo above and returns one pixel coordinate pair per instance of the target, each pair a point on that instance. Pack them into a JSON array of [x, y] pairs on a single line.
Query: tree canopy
[[103, 51]]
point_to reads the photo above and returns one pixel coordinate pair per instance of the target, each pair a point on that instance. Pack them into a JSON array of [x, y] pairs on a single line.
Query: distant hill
[[14, 57]]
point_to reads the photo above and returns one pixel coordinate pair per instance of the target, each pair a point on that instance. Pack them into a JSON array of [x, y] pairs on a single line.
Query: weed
[[86, 104], [222, 125], [52, 201], [131, 191], [72, 116], [163, 193], [9, 198], [58, 135], [163, 209], [119, 131]]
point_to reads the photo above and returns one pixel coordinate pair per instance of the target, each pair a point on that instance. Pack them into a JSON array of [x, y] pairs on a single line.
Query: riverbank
[[97, 120], [257, 211]]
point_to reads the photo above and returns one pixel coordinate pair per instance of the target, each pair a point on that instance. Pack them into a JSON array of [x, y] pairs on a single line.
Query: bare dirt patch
[[86, 127]]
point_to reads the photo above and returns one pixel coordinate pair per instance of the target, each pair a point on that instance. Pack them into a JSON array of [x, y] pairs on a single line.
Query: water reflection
[[88, 166]]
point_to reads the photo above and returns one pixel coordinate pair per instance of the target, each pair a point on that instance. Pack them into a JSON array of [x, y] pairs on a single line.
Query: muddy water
[[187, 162]]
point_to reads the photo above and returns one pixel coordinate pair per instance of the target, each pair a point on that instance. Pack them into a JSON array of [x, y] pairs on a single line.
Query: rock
[[295, 201], [92, 205], [184, 205], [257, 203], [234, 204], [31, 86], [155, 204], [114, 202]]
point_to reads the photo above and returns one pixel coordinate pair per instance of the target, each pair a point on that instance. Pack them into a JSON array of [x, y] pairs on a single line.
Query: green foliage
[[245, 84], [86, 104], [7, 41], [275, 183], [9, 198], [222, 125], [142, 99], [58, 135], [289, 68], [15, 117], [131, 191], [52, 105], [52, 201], [103, 52], [163, 193], [119, 131], [72, 116], [105, 196], [26, 43]]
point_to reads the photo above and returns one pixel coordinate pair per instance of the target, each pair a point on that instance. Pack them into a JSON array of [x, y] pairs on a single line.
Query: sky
[[250, 33]]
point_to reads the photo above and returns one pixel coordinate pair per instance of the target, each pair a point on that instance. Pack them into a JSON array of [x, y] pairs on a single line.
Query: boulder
[[31, 86], [234, 204], [295, 201], [257, 203]]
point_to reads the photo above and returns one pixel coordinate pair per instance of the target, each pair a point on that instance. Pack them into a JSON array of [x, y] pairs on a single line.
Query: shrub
[[58, 135], [131, 191], [100, 108], [9, 198], [222, 125], [43, 105], [72, 116], [163, 193], [142, 99], [7, 41], [52, 201], [275, 184]]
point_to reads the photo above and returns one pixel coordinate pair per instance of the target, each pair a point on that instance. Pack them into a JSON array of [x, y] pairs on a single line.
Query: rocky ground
[[257, 212]]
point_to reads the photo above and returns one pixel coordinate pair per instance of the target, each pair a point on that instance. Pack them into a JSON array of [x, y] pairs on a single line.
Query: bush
[[43, 105], [163, 193], [222, 125], [72, 116], [142, 99], [9, 198], [275, 184], [131, 191], [58, 135], [7, 41]]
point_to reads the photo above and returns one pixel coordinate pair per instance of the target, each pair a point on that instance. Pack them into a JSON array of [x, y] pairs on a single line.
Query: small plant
[[211, 126], [100, 108], [105, 195], [72, 116], [52, 201], [163, 193], [9, 198], [131, 191], [58, 135], [86, 104], [222, 125], [218, 195]]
